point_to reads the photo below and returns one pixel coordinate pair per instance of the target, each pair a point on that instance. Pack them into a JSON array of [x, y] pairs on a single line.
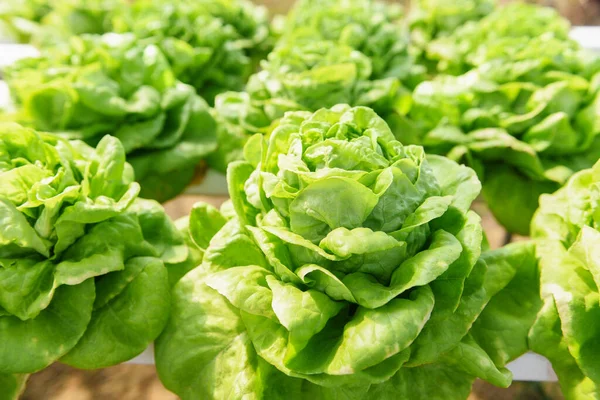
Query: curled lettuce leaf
[[47, 22], [332, 52], [351, 268], [19, 20], [82, 275], [567, 330], [372, 27], [113, 84], [239, 115], [212, 45], [431, 19]]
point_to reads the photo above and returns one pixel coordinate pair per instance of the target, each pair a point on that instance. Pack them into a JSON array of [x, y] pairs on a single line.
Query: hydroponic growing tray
[[529, 367]]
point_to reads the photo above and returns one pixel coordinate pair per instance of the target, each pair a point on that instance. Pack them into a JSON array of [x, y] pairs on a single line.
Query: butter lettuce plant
[[567, 330], [82, 275], [213, 45], [431, 19], [525, 124], [115, 84], [300, 76], [372, 27], [495, 35], [351, 268]]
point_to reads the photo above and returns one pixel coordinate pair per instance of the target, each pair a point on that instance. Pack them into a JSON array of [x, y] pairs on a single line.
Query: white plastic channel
[[529, 367]]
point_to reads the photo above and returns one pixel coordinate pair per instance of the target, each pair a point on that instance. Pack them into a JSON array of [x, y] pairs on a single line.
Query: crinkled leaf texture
[[299, 76], [482, 33], [351, 269], [82, 275], [372, 27], [115, 85], [567, 328]]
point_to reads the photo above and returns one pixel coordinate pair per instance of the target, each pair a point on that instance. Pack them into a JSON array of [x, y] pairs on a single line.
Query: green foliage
[[350, 269], [115, 85], [82, 278], [212, 45], [524, 116], [501, 33], [12, 385], [566, 331], [44, 22], [331, 52]]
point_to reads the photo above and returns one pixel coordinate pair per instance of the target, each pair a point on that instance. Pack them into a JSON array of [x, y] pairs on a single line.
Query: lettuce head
[[526, 119], [346, 266], [82, 275]]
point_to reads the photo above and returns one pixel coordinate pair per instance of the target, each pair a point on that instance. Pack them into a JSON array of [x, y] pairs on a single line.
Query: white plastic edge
[[587, 36]]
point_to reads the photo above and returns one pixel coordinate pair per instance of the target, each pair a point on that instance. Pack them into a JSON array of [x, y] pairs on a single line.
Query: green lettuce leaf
[[12, 386], [525, 123], [566, 330]]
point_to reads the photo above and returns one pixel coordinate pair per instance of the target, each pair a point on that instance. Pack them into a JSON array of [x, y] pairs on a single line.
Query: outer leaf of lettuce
[[513, 198], [12, 386]]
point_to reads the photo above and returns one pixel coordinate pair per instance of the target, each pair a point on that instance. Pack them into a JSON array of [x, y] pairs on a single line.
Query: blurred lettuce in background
[[46, 21], [524, 115], [213, 45], [305, 76], [115, 84], [353, 52], [495, 36]]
